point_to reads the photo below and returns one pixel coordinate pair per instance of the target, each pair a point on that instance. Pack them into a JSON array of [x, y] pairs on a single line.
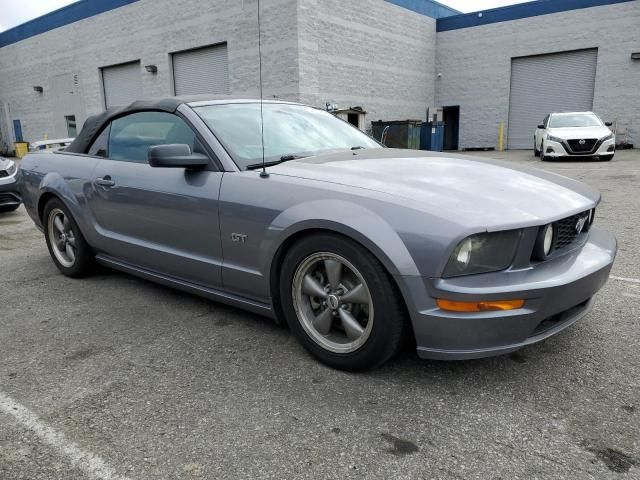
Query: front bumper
[[559, 150], [557, 293], [9, 195]]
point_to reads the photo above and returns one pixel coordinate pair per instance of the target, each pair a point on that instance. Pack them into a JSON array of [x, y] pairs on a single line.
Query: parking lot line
[[624, 279], [89, 463]]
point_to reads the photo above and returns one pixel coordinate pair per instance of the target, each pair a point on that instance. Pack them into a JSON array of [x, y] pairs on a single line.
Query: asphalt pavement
[[113, 377]]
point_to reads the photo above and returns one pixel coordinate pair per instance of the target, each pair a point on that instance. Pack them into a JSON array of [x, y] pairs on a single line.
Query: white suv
[[575, 134]]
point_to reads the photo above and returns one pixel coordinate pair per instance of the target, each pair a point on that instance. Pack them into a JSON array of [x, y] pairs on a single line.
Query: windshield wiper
[[284, 158], [357, 148]]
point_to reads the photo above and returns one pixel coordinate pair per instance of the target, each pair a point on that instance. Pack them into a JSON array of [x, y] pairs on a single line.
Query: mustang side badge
[[238, 238]]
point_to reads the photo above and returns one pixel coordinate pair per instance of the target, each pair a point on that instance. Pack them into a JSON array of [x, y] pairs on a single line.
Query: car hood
[[579, 133], [471, 190]]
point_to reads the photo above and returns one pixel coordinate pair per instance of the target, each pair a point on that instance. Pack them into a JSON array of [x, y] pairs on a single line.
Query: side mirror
[[541, 126], [608, 124], [176, 156]]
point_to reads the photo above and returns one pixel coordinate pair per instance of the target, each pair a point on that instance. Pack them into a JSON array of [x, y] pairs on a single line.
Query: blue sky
[[15, 12]]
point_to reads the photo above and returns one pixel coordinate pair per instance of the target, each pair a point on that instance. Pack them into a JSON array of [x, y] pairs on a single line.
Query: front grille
[[567, 231], [550, 323], [587, 147], [8, 199]]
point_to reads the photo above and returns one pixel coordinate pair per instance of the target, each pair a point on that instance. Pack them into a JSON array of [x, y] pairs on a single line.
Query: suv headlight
[[483, 253], [551, 138]]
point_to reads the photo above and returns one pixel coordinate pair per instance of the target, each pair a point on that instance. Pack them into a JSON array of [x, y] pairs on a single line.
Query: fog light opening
[[488, 306], [550, 150]]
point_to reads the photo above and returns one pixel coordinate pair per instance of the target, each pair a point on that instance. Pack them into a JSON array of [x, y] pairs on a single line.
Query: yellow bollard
[[501, 137]]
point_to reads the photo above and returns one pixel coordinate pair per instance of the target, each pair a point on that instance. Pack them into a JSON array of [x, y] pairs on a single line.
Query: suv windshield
[[577, 120], [289, 131]]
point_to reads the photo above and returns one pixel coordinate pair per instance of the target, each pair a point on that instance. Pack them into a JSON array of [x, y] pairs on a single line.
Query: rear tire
[[67, 246], [340, 303]]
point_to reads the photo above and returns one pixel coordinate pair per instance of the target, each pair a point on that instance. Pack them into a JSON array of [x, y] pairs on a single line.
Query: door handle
[[105, 181]]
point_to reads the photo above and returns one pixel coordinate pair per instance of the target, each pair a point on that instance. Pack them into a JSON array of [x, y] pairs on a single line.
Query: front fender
[[347, 218]]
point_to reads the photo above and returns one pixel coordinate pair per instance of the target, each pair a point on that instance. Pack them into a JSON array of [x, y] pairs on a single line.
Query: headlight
[[608, 137], [11, 169], [551, 138], [482, 253]]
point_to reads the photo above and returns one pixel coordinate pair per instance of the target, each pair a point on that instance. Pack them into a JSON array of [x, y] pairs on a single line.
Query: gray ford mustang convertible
[[352, 244]]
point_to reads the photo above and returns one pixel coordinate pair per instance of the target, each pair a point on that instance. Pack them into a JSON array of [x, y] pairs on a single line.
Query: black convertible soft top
[[94, 124]]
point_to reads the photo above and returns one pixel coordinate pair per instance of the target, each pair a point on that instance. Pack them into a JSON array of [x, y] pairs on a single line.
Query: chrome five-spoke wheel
[[333, 302], [63, 240]]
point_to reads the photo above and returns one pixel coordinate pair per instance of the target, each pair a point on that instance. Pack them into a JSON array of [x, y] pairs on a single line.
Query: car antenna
[[263, 173]]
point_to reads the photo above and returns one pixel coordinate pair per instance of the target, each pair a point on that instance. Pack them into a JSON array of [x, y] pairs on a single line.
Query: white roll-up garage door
[[202, 71], [542, 84], [122, 84]]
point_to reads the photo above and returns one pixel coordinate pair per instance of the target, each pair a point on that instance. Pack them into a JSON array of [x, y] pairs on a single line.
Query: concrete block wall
[[368, 53], [475, 64], [147, 30]]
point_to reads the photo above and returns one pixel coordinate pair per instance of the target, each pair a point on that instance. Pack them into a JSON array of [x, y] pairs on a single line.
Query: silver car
[[353, 245], [9, 197]]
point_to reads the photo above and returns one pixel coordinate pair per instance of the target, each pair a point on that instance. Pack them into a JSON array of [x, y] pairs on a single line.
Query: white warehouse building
[[375, 59]]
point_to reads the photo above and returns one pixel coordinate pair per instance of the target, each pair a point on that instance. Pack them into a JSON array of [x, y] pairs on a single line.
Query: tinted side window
[[99, 146], [131, 136]]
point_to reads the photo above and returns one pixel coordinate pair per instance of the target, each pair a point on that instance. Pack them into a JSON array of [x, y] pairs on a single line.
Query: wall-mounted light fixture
[[38, 89], [635, 56], [151, 68]]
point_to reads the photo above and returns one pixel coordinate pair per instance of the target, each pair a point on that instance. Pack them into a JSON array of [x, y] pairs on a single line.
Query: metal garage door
[[559, 82], [205, 70], [122, 84]]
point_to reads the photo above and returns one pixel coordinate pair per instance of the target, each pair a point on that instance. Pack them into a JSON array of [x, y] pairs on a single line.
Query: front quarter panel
[[258, 215]]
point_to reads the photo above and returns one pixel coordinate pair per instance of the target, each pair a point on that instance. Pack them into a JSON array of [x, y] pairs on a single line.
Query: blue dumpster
[[432, 136]]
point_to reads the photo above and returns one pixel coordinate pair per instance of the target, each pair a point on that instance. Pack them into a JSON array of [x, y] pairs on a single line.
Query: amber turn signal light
[[497, 305]]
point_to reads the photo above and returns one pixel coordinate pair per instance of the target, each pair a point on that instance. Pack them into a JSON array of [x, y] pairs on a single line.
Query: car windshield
[[290, 131], [577, 120]]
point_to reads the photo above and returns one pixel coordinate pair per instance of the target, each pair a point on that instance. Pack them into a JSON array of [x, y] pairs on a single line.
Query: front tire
[[536, 152], [67, 246], [340, 303], [543, 157]]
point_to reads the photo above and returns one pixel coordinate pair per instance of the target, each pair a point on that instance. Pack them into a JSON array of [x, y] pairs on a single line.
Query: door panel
[[162, 219]]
